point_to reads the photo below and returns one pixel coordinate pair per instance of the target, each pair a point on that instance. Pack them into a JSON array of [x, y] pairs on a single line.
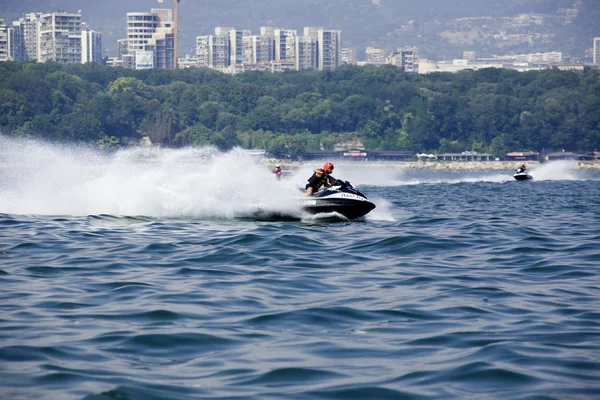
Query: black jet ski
[[341, 198], [522, 175]]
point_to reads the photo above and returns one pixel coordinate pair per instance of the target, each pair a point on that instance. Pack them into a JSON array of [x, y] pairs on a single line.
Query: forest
[[288, 114]]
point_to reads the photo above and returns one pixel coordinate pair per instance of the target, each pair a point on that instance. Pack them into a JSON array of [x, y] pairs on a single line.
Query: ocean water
[[191, 274]]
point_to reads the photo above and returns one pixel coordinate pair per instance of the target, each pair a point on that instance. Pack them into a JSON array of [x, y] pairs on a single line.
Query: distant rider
[[277, 171], [320, 177], [522, 168]]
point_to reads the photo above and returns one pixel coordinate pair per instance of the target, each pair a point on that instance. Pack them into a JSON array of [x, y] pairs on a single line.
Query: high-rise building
[[329, 49], [312, 31], [4, 41], [349, 55], [236, 45], [269, 32], [60, 37], [257, 49], [306, 53], [596, 51], [375, 55], [27, 36], [285, 44], [212, 51], [11, 42], [122, 48], [162, 45], [276, 49], [149, 32], [91, 46], [203, 51], [16, 46], [140, 28], [406, 58]]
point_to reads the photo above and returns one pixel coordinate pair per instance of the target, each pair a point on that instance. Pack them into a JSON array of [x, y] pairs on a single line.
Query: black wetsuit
[[316, 181]]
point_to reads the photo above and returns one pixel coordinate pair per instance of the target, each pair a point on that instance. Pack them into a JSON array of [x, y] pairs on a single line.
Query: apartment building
[[257, 49], [236, 44], [375, 55], [26, 37], [349, 55], [276, 49], [60, 38], [269, 31], [406, 58], [148, 32], [285, 44], [91, 46], [306, 53], [329, 49], [213, 51], [554, 57], [596, 51], [57, 36], [27, 44], [4, 41]]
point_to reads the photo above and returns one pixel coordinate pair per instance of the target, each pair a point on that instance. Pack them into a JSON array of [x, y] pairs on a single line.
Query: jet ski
[[341, 198], [522, 175]]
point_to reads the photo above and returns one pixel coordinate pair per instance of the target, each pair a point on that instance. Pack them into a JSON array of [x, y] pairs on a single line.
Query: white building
[[257, 49], [285, 44], [187, 62], [27, 28], [406, 58], [149, 31], [349, 55], [306, 53], [4, 42], [122, 48], [554, 57], [60, 38], [269, 31], [596, 51], [236, 44], [312, 32], [375, 55], [212, 51], [329, 49], [91, 46], [235, 50]]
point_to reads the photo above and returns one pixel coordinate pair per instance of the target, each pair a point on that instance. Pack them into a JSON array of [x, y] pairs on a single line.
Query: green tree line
[[290, 113]]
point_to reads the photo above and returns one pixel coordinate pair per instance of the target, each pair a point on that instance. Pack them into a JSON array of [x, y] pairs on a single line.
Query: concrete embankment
[[450, 165]]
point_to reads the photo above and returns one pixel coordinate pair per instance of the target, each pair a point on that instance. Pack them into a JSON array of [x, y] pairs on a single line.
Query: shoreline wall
[[449, 165]]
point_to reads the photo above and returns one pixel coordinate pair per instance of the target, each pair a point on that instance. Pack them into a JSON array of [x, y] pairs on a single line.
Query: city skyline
[[64, 37]]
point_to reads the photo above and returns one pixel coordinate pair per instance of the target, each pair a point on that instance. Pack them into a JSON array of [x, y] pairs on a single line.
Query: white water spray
[[44, 179]]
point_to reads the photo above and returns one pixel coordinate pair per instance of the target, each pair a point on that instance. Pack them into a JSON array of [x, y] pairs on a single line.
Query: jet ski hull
[[343, 199], [350, 209], [522, 176]]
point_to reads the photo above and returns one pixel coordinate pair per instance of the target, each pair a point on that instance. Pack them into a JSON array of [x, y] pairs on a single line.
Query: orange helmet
[[328, 167]]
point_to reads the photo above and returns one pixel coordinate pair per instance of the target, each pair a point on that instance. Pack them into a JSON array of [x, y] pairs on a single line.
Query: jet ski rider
[[277, 171], [320, 177], [522, 168]]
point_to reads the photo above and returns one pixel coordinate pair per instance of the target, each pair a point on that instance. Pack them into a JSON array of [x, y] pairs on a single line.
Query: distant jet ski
[[522, 176], [341, 198]]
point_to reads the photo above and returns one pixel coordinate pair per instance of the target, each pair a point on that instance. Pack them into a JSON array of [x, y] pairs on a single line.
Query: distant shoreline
[[453, 165]]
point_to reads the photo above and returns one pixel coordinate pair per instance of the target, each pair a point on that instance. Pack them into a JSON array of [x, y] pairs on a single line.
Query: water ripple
[[469, 288]]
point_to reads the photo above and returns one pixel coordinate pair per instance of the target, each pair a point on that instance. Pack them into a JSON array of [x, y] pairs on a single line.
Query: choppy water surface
[[151, 277]]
